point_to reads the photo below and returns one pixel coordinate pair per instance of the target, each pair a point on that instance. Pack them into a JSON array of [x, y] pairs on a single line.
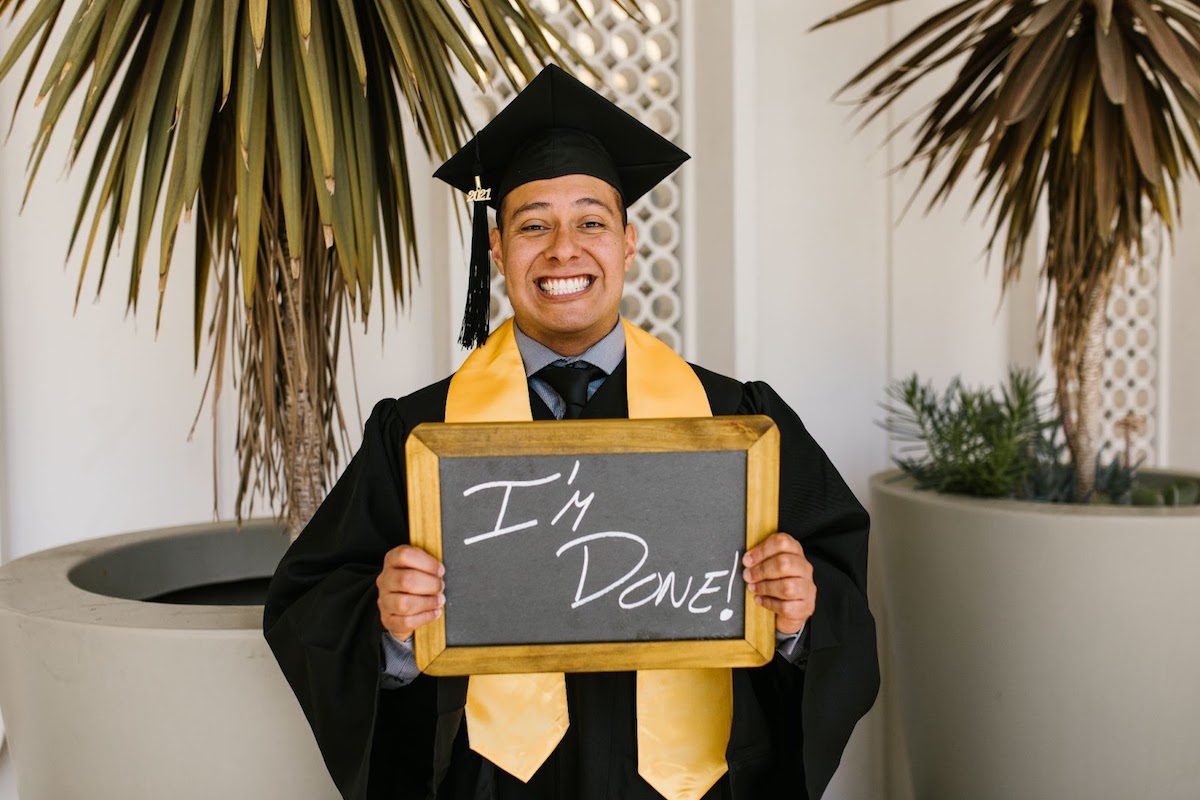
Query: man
[[560, 165]]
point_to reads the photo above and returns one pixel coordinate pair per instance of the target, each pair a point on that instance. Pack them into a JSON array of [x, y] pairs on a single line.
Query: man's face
[[564, 253]]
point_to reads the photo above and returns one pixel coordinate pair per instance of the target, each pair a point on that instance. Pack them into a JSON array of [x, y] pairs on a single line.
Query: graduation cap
[[555, 126]]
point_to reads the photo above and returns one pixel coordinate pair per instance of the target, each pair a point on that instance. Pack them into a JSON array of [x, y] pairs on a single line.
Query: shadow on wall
[[8, 775]]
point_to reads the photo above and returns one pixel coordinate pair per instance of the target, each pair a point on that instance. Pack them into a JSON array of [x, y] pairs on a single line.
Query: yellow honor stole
[[683, 715]]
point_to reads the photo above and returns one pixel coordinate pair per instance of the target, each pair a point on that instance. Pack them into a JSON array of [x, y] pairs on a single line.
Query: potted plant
[[1044, 649], [278, 128]]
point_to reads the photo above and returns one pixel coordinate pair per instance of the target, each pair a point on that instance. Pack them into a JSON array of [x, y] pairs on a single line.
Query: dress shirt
[[605, 354]]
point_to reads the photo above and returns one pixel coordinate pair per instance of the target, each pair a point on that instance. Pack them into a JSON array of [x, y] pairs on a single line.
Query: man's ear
[[630, 245], [494, 244]]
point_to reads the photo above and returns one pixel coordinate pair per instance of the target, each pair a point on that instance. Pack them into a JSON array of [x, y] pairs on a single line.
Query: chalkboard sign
[[591, 545]]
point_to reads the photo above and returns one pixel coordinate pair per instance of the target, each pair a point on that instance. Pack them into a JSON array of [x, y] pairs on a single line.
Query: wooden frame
[[757, 435]]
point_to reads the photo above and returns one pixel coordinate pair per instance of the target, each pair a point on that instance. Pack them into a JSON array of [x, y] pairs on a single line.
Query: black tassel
[[476, 317]]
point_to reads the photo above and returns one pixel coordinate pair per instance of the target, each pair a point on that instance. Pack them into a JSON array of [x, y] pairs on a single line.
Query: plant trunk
[[1083, 436], [302, 437]]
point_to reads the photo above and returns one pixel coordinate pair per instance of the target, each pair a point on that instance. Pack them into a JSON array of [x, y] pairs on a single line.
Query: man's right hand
[[411, 590]]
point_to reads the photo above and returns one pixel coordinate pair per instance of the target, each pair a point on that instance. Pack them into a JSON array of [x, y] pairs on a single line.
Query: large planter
[[109, 697], [1042, 651]]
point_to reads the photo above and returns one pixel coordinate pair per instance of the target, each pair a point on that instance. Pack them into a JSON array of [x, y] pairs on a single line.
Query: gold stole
[[683, 715]]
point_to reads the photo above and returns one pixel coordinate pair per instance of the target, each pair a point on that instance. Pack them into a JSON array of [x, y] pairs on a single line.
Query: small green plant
[[969, 441], [1177, 492]]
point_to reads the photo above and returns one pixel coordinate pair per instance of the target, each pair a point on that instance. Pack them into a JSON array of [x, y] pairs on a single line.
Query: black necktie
[[571, 383]]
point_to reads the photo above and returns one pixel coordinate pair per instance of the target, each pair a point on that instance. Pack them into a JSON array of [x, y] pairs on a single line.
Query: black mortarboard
[[555, 126]]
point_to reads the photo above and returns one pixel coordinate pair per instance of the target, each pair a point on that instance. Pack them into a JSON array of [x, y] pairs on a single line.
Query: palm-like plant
[[1094, 104], [283, 123]]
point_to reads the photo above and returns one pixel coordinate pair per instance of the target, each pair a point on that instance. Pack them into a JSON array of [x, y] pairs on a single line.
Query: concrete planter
[[109, 697], [1042, 651]]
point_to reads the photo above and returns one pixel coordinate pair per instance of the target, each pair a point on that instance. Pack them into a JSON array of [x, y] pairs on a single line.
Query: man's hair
[[617, 195]]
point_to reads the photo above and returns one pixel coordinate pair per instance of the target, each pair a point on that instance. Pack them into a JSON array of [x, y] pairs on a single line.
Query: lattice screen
[[1131, 374], [641, 70]]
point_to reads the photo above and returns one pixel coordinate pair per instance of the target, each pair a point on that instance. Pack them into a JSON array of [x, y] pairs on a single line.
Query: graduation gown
[[790, 722]]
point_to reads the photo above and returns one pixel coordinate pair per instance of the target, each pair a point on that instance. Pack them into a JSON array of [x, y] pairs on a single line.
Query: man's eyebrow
[[541, 205], [536, 204], [592, 201]]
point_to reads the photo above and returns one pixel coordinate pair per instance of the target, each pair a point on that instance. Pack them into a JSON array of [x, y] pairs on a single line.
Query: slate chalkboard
[[558, 555], [593, 548]]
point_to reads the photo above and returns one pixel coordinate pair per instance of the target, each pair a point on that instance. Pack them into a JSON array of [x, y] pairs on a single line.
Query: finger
[[408, 557], [410, 621], [410, 581], [789, 627], [773, 545], [785, 565], [403, 626], [785, 588], [409, 604], [789, 609]]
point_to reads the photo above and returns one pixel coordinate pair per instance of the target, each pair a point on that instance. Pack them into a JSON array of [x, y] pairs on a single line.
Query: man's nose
[[563, 245]]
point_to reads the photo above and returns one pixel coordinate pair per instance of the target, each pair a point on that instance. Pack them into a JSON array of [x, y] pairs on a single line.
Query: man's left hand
[[782, 581]]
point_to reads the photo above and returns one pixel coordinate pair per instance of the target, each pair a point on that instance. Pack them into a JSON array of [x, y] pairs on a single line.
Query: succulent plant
[[969, 441]]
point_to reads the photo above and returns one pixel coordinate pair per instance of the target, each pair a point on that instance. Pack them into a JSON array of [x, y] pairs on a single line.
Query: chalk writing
[[636, 590], [507, 486]]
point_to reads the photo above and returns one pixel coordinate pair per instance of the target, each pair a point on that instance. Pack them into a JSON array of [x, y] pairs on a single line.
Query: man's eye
[[595, 223], [532, 226]]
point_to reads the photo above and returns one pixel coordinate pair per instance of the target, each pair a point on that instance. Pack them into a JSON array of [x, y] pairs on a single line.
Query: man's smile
[[565, 287]]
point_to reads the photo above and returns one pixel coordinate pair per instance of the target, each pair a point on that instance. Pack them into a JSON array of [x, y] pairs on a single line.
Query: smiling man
[[560, 164], [564, 249]]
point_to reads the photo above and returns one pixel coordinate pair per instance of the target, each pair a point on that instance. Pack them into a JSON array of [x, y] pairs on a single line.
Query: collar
[[605, 354]]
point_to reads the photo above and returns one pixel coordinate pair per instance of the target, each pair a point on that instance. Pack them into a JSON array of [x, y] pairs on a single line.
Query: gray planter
[[109, 697], [1042, 651]]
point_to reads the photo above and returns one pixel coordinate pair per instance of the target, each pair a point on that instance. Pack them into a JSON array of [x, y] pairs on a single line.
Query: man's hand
[[411, 590], [781, 578]]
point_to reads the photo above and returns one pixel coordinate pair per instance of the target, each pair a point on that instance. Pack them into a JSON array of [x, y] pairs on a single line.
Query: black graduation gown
[[790, 722]]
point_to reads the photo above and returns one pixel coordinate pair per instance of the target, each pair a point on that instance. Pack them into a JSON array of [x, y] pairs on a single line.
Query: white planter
[[107, 697], [1042, 651]]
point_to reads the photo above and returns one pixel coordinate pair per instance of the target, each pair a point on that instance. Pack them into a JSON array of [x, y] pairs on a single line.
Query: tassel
[[476, 321]]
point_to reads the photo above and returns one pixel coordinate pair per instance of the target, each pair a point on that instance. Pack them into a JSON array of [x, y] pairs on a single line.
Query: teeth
[[563, 285]]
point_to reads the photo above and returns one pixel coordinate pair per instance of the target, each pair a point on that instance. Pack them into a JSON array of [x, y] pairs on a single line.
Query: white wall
[[819, 222]]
